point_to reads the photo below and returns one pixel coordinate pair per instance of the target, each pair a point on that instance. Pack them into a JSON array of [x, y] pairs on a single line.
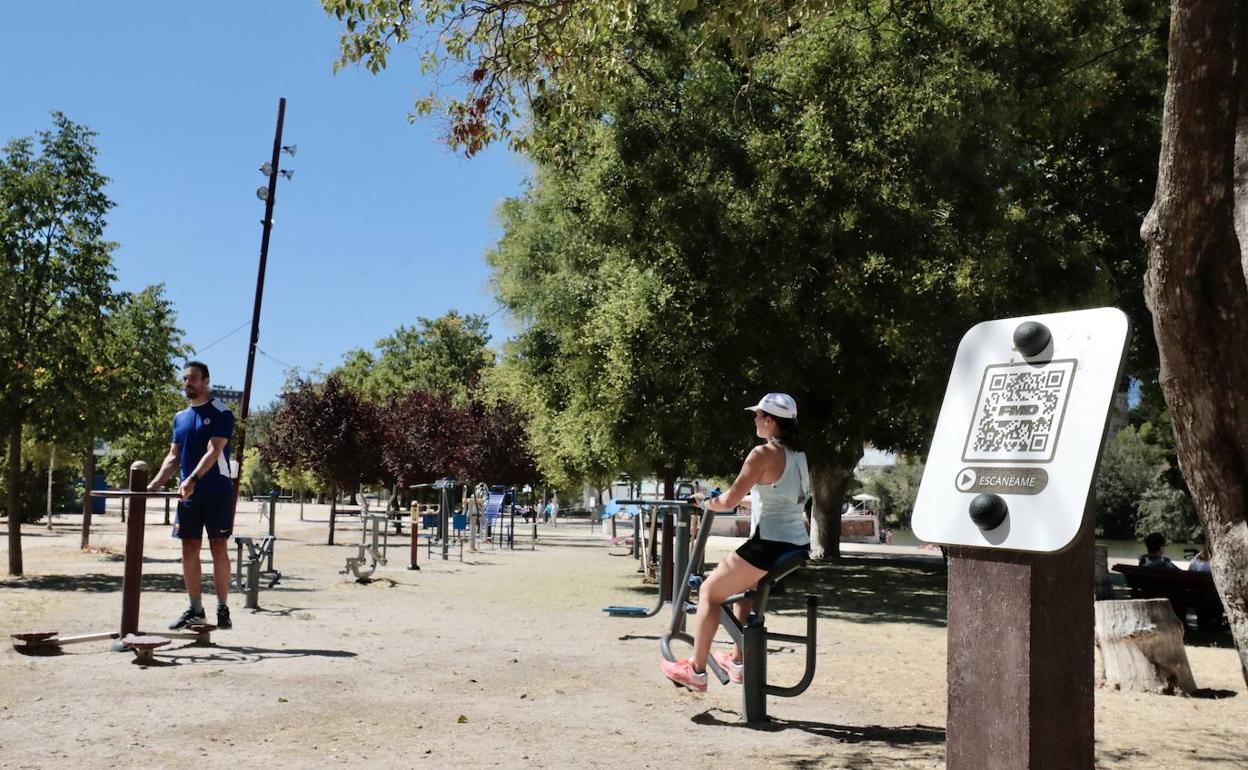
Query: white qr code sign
[[1024, 428]]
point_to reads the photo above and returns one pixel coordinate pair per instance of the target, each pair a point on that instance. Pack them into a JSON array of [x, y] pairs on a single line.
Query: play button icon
[[966, 479]]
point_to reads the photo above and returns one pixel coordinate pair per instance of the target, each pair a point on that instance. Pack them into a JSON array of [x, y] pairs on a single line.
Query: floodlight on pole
[[289, 149], [289, 174], [271, 169]]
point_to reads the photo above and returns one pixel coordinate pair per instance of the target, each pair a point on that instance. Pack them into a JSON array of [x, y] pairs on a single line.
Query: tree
[[1195, 230], [443, 355], [1130, 466], [897, 486], [327, 429], [723, 235], [258, 478], [55, 274], [132, 364], [426, 438], [1197, 289], [508, 54], [499, 451]]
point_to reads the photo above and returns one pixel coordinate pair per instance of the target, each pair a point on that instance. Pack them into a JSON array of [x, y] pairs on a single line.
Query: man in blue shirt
[[201, 447]]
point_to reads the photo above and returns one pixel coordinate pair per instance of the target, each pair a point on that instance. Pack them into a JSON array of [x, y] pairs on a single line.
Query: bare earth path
[[504, 660]]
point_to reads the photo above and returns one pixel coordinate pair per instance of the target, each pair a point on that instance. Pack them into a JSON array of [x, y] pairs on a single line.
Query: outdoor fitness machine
[[1006, 488], [673, 517], [752, 635], [247, 572], [444, 487], [129, 637], [374, 539]]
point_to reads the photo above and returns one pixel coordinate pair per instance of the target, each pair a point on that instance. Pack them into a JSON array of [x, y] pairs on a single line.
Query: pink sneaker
[[681, 672], [730, 666]]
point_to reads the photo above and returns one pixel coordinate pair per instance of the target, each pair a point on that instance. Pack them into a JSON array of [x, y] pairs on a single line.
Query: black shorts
[[763, 554], [204, 512]]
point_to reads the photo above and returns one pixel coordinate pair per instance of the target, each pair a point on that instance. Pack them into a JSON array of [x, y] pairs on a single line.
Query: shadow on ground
[[906, 735], [96, 582], [859, 589], [220, 654]]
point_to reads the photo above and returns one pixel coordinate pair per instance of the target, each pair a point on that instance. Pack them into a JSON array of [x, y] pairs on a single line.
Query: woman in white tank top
[[777, 481]]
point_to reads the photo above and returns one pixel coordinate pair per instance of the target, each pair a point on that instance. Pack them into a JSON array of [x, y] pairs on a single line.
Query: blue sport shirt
[[192, 429]]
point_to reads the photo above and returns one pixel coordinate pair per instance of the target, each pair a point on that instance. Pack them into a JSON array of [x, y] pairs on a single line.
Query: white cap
[[777, 405]]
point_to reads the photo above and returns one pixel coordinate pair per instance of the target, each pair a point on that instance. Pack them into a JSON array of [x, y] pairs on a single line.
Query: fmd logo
[[1018, 410]]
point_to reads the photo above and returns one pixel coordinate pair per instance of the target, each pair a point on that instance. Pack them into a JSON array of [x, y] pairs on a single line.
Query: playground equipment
[[373, 542], [445, 488], [499, 514], [250, 567], [752, 635], [128, 637], [670, 521]]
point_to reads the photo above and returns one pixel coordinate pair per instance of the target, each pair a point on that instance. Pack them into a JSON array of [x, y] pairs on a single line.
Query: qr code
[[1018, 415]]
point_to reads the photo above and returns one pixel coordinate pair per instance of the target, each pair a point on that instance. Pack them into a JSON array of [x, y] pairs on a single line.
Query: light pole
[[271, 169]]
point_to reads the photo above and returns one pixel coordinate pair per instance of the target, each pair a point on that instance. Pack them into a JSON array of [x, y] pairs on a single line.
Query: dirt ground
[[504, 660]]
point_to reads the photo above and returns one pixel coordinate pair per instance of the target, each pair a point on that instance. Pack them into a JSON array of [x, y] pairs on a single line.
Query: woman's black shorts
[[763, 554]]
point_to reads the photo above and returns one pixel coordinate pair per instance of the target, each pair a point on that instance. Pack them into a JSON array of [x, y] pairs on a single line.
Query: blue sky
[[381, 224]]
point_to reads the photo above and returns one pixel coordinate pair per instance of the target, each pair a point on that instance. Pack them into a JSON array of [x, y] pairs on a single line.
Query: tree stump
[[1141, 644]]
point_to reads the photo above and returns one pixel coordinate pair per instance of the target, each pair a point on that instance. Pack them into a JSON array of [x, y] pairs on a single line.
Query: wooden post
[[1021, 665], [131, 583]]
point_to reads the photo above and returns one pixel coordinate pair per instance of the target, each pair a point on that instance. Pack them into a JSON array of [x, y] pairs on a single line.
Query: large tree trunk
[[828, 482], [1195, 284], [88, 502], [15, 517]]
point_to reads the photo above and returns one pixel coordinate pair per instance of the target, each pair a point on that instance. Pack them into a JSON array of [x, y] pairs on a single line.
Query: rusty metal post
[[132, 582]]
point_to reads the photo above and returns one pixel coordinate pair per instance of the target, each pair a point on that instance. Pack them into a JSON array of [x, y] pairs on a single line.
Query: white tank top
[[777, 510]]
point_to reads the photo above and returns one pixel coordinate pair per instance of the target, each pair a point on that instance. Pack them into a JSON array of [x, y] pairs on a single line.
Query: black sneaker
[[223, 617], [190, 617]]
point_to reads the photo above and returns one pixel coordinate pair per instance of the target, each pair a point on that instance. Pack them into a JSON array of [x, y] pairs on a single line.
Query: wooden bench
[[1185, 590]]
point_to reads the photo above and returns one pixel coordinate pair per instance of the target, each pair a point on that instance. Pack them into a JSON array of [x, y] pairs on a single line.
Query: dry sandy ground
[[503, 660]]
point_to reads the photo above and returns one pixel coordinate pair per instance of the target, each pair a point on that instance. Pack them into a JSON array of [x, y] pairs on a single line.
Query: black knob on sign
[[988, 511], [1031, 338]]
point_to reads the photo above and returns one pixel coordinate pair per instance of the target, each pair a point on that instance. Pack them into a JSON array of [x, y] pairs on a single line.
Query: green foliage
[[444, 355], [32, 486], [300, 482], [1130, 466], [258, 478], [897, 486], [828, 223], [1169, 511], [148, 436], [55, 269], [510, 55]]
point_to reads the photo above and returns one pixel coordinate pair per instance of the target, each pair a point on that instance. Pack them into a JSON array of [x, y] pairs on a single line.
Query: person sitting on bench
[[1155, 559], [1200, 562], [776, 477]]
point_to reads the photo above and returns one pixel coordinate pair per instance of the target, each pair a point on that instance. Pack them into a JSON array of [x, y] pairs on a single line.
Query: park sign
[[1020, 431]]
